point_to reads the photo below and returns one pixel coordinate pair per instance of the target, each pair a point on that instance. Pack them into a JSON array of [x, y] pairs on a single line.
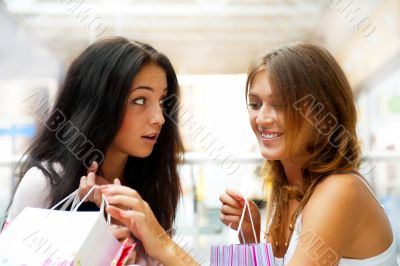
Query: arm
[[330, 219], [173, 254], [137, 216]]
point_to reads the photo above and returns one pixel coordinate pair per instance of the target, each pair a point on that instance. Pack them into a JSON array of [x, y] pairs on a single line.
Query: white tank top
[[386, 258]]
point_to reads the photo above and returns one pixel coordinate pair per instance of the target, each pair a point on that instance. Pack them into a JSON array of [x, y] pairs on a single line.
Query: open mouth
[[270, 135], [151, 138]]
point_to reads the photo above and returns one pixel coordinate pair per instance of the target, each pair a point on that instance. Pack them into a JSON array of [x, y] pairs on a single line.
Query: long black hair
[[87, 115]]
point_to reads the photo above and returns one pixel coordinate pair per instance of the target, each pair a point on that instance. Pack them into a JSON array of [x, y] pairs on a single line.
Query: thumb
[[93, 167], [117, 181]]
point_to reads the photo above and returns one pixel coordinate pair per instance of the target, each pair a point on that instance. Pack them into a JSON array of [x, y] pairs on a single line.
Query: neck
[[114, 165], [293, 172]]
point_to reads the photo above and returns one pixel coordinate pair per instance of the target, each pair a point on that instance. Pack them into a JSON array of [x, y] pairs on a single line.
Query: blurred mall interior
[[210, 43]]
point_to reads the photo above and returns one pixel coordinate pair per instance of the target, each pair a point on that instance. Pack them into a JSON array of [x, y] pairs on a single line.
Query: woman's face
[[266, 118], [143, 117], [266, 115]]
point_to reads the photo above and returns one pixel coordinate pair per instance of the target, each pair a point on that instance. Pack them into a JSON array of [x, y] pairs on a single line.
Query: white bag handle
[[246, 206], [76, 203], [67, 201]]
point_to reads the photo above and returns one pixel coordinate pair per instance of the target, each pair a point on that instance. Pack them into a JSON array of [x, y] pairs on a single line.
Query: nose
[[266, 116], [157, 116]]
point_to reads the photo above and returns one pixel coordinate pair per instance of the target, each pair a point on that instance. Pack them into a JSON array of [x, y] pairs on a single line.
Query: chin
[[141, 154], [270, 158], [271, 155]]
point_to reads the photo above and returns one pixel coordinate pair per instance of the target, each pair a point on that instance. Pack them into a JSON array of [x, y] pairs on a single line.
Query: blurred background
[[210, 43]]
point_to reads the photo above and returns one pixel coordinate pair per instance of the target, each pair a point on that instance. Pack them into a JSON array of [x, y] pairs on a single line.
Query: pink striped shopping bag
[[257, 254]]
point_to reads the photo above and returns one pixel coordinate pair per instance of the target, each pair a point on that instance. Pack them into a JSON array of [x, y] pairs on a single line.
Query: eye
[[278, 106], [139, 101], [162, 102], [254, 105]]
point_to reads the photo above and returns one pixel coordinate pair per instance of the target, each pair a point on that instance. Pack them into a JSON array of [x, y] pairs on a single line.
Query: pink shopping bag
[[258, 254], [123, 253]]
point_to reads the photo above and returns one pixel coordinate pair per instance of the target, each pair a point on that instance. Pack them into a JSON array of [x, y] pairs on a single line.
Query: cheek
[[304, 139], [123, 135], [129, 127], [280, 120], [252, 120], [125, 126]]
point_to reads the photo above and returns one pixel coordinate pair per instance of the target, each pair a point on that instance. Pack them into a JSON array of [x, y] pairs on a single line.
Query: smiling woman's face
[[266, 114], [266, 118], [143, 116]]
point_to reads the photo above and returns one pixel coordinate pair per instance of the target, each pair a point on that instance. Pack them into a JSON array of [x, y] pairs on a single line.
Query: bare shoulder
[[338, 189], [347, 182], [338, 204], [331, 220]]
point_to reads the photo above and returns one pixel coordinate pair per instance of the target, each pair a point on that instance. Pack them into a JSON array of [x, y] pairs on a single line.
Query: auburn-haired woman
[[321, 211], [111, 108]]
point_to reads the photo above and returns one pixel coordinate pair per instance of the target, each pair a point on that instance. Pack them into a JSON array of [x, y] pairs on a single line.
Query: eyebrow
[[256, 95], [145, 88]]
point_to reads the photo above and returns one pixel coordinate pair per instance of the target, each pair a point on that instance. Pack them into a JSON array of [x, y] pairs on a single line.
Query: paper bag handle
[[68, 199], [76, 203], [246, 206], [104, 204]]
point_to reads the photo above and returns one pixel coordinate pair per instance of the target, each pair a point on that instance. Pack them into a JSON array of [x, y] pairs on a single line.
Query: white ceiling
[[200, 37]]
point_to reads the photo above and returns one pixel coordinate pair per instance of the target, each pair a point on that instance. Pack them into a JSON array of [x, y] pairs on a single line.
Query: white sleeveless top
[[387, 258]]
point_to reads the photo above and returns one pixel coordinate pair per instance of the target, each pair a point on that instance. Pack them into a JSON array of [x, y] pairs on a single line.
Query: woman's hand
[[120, 232], [127, 206], [88, 181], [130, 209], [231, 211]]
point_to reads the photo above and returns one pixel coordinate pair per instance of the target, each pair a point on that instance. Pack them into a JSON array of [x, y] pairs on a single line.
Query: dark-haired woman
[[110, 109], [321, 211]]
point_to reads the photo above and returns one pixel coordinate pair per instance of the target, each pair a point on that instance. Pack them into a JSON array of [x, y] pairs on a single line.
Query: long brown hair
[[313, 88]]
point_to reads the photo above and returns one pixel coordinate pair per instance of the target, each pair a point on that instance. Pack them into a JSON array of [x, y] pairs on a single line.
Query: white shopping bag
[[58, 237]]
